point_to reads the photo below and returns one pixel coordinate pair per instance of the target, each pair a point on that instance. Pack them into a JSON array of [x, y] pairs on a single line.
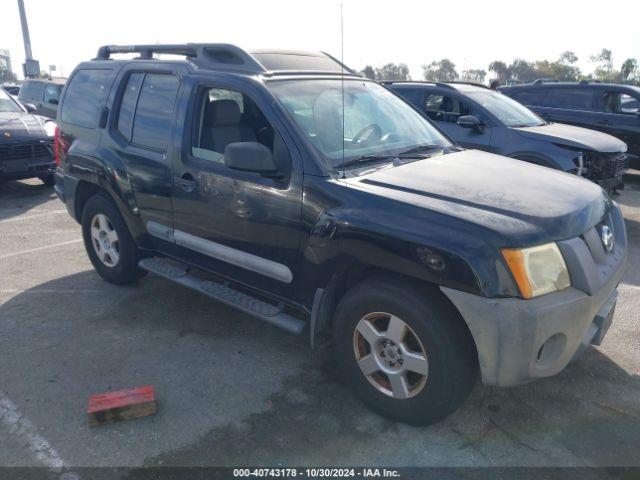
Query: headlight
[[537, 270], [50, 128]]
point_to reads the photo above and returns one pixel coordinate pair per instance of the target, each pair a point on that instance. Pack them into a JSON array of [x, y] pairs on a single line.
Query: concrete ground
[[234, 391]]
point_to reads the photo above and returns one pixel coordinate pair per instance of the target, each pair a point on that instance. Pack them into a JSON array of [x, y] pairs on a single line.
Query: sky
[[470, 33]]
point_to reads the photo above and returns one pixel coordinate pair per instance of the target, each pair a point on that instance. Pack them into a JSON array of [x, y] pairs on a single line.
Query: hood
[[17, 125], [525, 204], [570, 136]]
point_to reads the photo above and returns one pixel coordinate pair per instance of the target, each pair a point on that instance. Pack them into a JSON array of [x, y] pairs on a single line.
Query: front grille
[[603, 166], [26, 150]]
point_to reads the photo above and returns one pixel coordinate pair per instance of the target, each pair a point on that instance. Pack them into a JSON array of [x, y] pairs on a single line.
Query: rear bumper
[[65, 188]]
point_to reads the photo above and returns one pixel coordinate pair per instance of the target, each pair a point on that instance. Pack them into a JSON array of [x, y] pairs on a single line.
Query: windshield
[[7, 104], [508, 111], [376, 122]]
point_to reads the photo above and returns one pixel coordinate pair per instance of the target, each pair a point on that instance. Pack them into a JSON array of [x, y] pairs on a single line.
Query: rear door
[[140, 133], [444, 108], [572, 105]]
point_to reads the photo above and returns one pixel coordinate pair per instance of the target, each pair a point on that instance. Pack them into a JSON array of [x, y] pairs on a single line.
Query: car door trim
[[241, 259]]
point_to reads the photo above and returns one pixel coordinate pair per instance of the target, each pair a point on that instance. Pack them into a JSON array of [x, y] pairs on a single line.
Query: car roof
[[230, 58], [55, 81], [581, 84], [460, 86]]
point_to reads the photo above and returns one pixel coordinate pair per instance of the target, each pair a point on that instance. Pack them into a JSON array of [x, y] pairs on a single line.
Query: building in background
[[6, 72]]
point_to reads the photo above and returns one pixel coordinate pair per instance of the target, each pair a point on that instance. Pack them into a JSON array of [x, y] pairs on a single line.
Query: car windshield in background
[[508, 111], [375, 124], [8, 104]]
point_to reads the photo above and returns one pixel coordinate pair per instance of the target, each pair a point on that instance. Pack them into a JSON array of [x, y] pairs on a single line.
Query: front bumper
[[520, 340], [19, 160]]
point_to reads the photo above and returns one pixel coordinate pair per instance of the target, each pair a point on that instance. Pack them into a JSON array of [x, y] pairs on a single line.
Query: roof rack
[[540, 81], [469, 82], [222, 56], [216, 55]]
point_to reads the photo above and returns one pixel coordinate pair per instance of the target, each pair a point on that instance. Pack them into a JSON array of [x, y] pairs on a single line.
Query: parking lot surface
[[234, 391]]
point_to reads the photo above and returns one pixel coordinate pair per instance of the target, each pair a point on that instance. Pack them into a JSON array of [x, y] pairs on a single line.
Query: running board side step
[[273, 314]]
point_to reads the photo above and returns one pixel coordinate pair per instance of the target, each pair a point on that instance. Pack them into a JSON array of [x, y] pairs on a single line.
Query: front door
[[241, 225]]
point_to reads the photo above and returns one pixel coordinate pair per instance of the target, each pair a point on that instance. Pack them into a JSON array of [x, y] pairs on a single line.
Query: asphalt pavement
[[234, 391]]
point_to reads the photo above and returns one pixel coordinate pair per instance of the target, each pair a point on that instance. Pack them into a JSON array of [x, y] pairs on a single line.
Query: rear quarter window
[[85, 95], [31, 91], [528, 97]]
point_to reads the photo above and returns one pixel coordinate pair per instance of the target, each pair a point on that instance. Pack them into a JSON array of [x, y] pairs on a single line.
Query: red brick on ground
[[121, 405]]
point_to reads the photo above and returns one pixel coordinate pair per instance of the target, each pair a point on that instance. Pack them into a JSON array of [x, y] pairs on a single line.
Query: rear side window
[[156, 98], [527, 97], [128, 104], [570, 98], [85, 95]]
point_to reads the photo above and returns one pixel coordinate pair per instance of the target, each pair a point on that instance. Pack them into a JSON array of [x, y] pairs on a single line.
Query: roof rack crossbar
[[216, 55]]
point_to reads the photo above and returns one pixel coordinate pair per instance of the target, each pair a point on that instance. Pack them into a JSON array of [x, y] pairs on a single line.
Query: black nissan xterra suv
[[285, 185]]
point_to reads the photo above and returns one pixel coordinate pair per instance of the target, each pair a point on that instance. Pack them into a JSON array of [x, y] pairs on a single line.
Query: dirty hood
[[526, 204], [572, 136]]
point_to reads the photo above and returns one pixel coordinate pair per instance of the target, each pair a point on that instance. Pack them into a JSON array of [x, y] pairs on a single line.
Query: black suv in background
[[285, 185], [607, 107], [43, 94], [477, 117]]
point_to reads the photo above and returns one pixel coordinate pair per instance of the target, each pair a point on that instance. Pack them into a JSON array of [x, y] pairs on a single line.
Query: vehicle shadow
[[17, 197], [235, 391]]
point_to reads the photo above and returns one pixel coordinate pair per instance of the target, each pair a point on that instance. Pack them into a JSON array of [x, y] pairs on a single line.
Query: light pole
[[31, 67]]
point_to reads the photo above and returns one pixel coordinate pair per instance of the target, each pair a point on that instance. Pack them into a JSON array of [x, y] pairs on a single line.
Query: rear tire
[[48, 180], [402, 387], [108, 241]]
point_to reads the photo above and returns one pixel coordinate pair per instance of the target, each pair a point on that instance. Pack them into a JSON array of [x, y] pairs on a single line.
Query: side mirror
[[250, 157], [470, 121], [53, 101], [30, 107]]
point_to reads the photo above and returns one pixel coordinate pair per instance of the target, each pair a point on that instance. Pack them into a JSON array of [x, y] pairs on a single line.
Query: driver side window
[[443, 108], [228, 116]]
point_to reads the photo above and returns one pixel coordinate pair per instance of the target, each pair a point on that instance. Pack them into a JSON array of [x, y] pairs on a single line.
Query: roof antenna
[[342, 76]]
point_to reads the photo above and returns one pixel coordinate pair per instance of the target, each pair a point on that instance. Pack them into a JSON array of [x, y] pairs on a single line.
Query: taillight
[[60, 148]]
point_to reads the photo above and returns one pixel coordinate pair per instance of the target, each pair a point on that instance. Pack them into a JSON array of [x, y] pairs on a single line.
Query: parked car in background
[[478, 117], [12, 89], [26, 143], [610, 108], [44, 94], [284, 184]]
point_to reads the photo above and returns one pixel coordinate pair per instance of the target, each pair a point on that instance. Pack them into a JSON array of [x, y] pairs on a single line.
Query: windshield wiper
[[420, 149], [363, 159]]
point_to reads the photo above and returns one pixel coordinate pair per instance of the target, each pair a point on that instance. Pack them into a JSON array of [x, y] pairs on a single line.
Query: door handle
[[186, 183]]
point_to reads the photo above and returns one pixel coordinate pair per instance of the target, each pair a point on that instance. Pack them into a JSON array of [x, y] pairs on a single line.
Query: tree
[[392, 72], [604, 71], [368, 72], [522, 71], [568, 58], [500, 70], [629, 69], [442, 71], [474, 75]]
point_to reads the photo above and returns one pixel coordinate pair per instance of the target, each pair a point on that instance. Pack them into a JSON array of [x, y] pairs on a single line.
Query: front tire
[[108, 241], [405, 350]]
